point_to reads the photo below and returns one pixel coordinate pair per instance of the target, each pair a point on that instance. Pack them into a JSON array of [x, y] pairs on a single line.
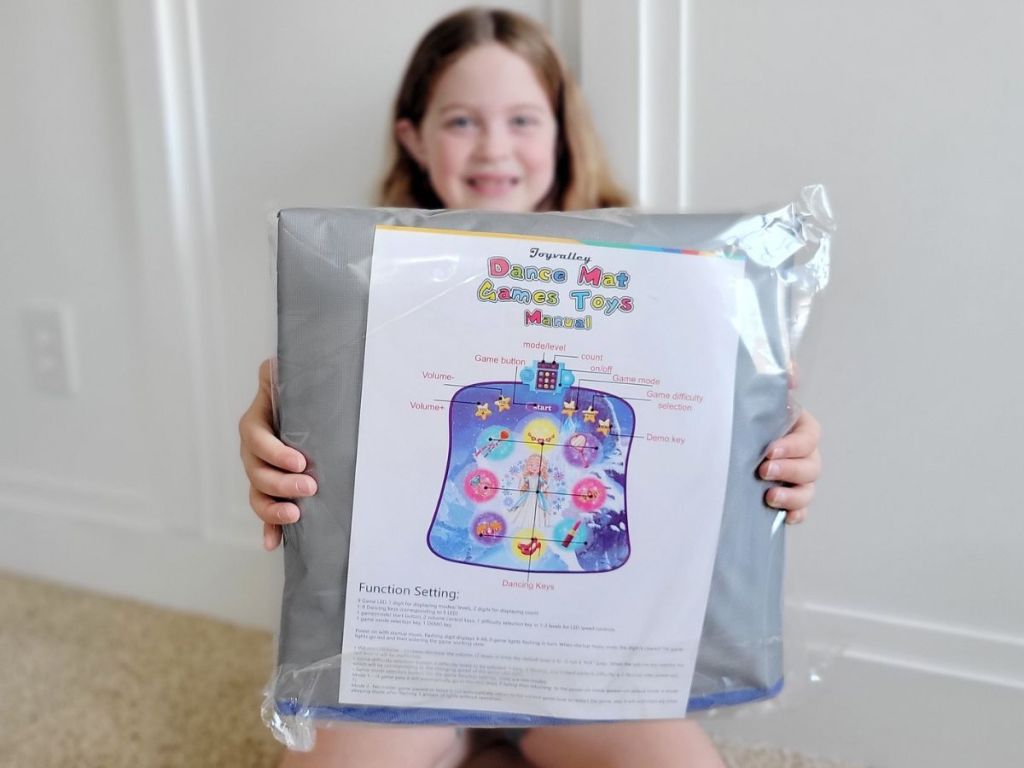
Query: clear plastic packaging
[[324, 268]]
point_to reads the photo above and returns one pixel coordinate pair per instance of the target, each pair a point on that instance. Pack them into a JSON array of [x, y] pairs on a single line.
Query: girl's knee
[[667, 744], [372, 746]]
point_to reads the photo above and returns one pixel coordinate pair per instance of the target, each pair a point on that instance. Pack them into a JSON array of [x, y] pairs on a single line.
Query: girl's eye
[[459, 121], [523, 121]]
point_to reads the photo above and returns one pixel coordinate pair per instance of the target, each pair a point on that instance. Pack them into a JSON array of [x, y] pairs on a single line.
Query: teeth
[[492, 183]]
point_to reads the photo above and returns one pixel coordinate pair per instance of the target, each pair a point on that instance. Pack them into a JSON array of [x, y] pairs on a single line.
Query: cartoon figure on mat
[[534, 489]]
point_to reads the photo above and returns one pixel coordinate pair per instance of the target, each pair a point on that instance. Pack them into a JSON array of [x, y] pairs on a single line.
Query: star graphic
[[604, 426], [504, 403], [590, 414], [482, 411], [569, 407]]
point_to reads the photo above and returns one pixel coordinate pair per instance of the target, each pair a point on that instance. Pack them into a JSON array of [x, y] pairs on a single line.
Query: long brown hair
[[582, 178]]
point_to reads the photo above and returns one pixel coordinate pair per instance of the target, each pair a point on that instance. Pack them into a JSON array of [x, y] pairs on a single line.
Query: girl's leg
[[369, 746], [663, 743]]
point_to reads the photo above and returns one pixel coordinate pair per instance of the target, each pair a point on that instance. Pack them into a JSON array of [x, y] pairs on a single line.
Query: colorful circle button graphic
[[581, 449], [540, 432], [488, 528], [494, 443], [571, 534], [589, 494], [480, 485], [528, 545]]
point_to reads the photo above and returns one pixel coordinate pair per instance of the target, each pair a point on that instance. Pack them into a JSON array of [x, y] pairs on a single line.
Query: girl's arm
[[272, 467]]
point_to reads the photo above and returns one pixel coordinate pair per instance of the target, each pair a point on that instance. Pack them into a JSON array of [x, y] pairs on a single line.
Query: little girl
[[487, 117]]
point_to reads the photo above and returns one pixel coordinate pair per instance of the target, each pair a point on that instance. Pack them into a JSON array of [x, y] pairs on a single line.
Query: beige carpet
[[95, 682]]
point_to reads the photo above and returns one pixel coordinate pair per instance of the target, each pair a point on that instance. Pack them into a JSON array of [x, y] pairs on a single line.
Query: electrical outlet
[[48, 338]]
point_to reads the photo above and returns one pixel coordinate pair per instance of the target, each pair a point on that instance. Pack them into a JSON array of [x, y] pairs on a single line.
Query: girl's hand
[[794, 462], [272, 467]]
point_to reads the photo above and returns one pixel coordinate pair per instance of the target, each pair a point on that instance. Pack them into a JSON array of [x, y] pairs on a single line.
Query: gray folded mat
[[323, 280]]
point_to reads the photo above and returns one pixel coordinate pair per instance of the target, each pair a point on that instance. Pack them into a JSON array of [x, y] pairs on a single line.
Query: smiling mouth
[[492, 186]]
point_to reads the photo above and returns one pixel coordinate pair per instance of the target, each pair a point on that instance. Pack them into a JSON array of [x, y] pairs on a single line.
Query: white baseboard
[[889, 692], [75, 499], [141, 561], [968, 653], [872, 714]]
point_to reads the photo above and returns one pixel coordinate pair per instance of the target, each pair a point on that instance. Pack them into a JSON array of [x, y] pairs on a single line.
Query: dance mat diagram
[[536, 475]]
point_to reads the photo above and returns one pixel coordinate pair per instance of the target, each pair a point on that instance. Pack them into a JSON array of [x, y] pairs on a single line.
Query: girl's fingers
[[273, 482], [802, 439], [795, 461], [271, 510], [259, 440], [795, 471], [256, 429], [264, 456], [264, 375], [271, 536], [797, 498], [796, 516]]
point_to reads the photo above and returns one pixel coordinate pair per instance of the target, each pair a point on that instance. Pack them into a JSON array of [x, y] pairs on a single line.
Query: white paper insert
[[543, 450]]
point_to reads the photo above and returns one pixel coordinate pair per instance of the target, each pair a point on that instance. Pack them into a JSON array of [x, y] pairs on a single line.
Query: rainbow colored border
[[562, 240]]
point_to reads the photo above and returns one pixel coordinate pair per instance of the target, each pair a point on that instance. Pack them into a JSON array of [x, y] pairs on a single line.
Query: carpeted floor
[[95, 682]]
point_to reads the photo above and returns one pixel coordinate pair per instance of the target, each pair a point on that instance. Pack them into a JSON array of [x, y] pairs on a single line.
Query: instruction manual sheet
[[544, 442]]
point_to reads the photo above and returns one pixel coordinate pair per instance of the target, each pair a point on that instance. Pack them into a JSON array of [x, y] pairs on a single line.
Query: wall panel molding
[[180, 270], [972, 654], [562, 18], [25, 492], [634, 70], [144, 563]]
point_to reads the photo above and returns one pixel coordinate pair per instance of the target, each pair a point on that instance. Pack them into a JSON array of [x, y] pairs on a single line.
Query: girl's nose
[[493, 142]]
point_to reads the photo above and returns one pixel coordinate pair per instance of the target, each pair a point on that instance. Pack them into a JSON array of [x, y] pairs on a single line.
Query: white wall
[[64, 187], [908, 579], [911, 116], [144, 144]]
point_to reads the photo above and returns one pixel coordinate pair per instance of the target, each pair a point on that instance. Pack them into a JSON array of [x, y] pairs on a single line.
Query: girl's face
[[488, 137]]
